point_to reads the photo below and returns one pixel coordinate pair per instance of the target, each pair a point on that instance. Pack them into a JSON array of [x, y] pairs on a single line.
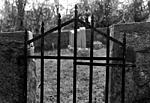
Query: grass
[[50, 79]]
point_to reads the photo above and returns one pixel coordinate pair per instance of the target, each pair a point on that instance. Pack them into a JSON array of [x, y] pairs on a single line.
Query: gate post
[[121, 82], [30, 71], [115, 73], [111, 31], [26, 65]]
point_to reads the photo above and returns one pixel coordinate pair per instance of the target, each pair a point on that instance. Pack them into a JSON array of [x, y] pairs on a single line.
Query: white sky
[[70, 3], [63, 2], [67, 4]]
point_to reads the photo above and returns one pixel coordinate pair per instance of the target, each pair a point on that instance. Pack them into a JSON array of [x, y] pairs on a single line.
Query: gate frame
[[76, 20]]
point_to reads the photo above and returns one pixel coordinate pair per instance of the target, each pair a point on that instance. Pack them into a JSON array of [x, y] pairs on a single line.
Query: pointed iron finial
[[59, 15], [42, 24], [26, 35], [21, 23], [26, 31], [59, 20], [42, 28], [76, 11], [92, 19], [76, 7]]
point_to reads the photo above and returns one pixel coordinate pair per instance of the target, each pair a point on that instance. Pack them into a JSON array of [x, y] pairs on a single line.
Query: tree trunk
[[20, 6]]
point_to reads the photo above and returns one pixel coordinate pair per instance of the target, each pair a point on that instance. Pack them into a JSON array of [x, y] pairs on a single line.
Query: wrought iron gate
[[76, 20]]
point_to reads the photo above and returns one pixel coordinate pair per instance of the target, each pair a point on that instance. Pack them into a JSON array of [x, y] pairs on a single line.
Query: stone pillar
[[31, 83], [110, 70], [137, 88], [12, 70]]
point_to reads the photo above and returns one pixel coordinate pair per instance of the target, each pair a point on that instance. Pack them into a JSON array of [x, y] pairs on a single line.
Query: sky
[[70, 4], [65, 3]]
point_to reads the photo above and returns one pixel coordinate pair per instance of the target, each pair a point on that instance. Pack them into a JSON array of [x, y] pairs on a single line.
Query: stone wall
[[137, 85], [12, 70], [11, 73], [51, 39], [12, 36], [97, 36]]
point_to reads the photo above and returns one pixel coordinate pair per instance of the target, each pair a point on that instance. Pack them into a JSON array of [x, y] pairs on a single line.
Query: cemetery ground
[[66, 84]]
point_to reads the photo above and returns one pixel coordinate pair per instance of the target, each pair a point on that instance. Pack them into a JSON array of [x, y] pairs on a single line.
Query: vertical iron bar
[[107, 67], [26, 63], [91, 60], [42, 64], [75, 54], [123, 69], [58, 60]]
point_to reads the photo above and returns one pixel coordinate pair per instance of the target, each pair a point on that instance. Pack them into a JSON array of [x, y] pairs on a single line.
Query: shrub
[[83, 52], [98, 45]]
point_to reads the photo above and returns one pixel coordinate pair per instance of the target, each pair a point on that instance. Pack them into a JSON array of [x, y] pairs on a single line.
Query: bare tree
[[21, 12], [9, 13], [40, 12]]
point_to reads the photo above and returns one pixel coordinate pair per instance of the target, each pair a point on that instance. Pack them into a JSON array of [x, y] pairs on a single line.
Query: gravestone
[[81, 38]]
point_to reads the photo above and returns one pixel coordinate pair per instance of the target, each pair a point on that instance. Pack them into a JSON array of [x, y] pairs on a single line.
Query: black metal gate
[[76, 20]]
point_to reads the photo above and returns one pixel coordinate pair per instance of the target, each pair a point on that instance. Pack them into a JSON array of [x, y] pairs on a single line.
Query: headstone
[[81, 38]]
